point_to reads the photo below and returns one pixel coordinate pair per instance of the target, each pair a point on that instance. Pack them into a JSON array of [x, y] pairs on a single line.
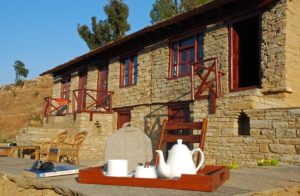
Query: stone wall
[[272, 48], [274, 134], [292, 50]]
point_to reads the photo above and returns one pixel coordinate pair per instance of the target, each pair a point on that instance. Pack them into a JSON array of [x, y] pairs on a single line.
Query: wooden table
[[21, 151], [5, 151]]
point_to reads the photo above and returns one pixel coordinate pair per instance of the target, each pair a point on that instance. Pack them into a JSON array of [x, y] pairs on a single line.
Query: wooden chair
[[69, 150], [53, 143], [166, 135]]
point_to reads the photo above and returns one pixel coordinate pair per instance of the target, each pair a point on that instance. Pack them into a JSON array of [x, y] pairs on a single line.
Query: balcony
[[83, 101]]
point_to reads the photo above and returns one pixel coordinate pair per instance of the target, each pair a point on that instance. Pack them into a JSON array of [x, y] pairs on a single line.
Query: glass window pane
[[183, 56], [191, 55], [126, 80], [125, 73], [182, 69], [200, 47], [135, 69], [174, 70], [174, 57], [187, 42]]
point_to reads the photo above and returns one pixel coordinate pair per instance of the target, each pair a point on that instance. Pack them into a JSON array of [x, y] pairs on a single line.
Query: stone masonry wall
[[272, 48], [292, 50], [274, 134]]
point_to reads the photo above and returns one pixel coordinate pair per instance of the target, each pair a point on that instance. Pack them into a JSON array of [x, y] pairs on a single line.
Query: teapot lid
[[179, 146]]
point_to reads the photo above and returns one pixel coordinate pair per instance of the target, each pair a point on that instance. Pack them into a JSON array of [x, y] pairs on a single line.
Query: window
[[245, 53], [65, 88], [184, 53], [129, 71]]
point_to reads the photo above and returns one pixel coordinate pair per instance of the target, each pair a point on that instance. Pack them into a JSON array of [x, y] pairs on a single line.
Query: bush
[[233, 165], [271, 162]]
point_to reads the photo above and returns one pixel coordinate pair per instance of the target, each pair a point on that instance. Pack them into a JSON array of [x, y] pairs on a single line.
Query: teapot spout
[[163, 170]]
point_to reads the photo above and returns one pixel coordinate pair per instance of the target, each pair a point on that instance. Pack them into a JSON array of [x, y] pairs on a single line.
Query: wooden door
[[82, 84], [65, 88], [102, 86], [235, 50], [123, 117]]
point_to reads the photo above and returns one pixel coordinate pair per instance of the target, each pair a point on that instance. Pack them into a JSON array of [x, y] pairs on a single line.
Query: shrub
[[233, 165], [270, 162]]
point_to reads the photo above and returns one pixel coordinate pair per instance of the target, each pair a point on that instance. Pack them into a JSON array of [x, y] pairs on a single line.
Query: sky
[[43, 33]]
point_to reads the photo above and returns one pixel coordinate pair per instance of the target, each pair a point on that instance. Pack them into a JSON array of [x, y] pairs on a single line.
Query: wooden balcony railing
[[92, 101], [55, 106], [206, 81]]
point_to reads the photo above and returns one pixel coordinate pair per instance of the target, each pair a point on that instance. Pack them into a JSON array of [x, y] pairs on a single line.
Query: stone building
[[247, 54]]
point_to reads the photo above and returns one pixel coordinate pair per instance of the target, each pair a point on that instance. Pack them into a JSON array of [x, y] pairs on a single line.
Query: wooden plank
[[185, 138], [178, 126]]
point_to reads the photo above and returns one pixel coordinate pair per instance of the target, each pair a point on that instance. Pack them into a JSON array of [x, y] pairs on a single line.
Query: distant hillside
[[22, 106]]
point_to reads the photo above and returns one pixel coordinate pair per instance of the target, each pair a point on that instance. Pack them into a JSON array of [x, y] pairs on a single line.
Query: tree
[[104, 31], [187, 5], [117, 13], [21, 72], [163, 9]]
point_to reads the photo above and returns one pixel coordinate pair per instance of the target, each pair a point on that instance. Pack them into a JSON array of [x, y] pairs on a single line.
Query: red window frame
[[65, 87], [177, 51], [131, 77]]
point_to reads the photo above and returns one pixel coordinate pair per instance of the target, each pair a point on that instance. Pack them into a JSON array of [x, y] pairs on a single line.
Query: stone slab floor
[[282, 180]]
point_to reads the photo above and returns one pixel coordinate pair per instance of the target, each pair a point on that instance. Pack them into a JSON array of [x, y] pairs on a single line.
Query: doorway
[[124, 116], [102, 86], [179, 113], [82, 84]]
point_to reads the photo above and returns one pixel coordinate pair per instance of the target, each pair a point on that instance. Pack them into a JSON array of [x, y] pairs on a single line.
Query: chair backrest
[[169, 128], [79, 138], [59, 138]]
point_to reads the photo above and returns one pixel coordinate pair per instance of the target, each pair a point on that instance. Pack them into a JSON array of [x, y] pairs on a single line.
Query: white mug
[[117, 167]]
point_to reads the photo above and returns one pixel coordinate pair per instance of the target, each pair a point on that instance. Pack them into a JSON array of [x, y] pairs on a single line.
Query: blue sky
[[43, 33]]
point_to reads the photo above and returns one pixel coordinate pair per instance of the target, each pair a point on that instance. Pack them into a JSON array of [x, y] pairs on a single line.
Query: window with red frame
[[65, 87], [129, 71], [184, 53]]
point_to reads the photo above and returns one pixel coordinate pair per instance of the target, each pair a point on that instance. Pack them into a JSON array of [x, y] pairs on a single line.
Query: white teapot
[[180, 161]]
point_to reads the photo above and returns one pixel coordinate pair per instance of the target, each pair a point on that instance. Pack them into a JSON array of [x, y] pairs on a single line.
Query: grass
[[21, 105]]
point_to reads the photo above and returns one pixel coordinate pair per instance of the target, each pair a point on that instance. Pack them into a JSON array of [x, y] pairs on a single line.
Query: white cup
[[145, 172], [117, 167]]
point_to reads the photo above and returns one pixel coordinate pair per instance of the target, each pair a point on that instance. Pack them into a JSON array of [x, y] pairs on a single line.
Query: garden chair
[[69, 150], [54, 143]]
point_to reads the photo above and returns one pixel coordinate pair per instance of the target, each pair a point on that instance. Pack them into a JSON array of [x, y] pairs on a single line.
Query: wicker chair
[[69, 150], [55, 142]]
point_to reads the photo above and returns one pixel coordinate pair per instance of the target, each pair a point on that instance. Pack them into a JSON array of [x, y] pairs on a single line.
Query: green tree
[[104, 31], [21, 72], [117, 14], [187, 5], [163, 9]]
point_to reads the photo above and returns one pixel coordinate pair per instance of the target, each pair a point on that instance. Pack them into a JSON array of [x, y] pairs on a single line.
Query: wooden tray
[[207, 179]]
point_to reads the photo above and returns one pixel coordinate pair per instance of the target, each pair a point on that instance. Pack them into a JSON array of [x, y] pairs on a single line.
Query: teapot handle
[[201, 157]]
